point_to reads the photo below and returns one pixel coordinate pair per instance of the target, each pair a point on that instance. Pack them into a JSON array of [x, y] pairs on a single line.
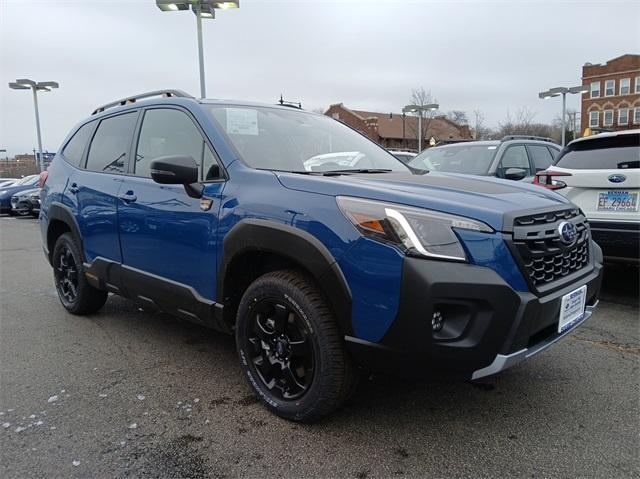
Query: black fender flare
[[297, 245], [59, 212]]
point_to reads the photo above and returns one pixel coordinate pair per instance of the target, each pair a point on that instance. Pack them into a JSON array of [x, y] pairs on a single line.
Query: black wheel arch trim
[[299, 246], [60, 212]]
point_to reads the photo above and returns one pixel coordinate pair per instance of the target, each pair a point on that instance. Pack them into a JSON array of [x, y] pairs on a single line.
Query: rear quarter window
[[608, 153], [74, 149]]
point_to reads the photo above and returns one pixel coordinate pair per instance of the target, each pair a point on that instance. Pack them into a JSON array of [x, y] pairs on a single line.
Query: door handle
[[74, 188], [128, 197]]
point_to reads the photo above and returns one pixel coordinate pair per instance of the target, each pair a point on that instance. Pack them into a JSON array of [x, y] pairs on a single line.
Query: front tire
[[74, 291], [291, 349]]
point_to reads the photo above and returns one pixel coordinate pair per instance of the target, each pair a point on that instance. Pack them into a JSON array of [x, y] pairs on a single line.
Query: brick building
[[21, 165], [387, 128], [613, 99]]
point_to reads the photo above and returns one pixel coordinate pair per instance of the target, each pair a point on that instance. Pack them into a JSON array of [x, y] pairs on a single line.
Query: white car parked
[[601, 174]]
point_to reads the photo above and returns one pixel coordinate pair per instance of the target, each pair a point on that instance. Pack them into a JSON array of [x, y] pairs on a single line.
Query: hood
[[28, 191], [12, 190], [478, 197]]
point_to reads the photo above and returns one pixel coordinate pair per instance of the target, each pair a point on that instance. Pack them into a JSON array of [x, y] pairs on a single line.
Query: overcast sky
[[493, 56]]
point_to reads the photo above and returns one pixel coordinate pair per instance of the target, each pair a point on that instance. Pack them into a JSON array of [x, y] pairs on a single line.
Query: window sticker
[[491, 147], [242, 121]]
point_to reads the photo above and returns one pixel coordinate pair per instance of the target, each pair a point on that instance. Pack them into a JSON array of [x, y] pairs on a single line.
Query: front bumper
[[487, 325], [617, 239]]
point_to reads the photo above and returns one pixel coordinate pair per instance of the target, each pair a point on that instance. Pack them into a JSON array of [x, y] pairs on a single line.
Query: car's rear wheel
[[291, 349], [74, 291]]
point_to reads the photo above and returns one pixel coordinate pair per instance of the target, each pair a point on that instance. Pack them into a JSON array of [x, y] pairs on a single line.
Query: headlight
[[416, 231]]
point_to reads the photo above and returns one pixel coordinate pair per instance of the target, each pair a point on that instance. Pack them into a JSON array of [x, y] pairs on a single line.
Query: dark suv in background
[[513, 158]]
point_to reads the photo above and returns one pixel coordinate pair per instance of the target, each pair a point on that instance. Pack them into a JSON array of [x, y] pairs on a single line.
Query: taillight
[[547, 179], [43, 179]]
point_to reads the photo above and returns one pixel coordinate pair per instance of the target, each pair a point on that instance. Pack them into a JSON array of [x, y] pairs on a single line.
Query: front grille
[[544, 257]]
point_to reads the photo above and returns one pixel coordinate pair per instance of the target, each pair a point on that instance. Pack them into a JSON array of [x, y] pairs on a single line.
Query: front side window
[[465, 158], [594, 119], [595, 89], [110, 144], [541, 157], [514, 157], [273, 138], [623, 116], [625, 87], [167, 132], [74, 149], [609, 88], [608, 118]]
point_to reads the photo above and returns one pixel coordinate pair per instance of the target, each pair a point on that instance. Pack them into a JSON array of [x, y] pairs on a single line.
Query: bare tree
[[319, 110], [421, 98], [458, 116], [571, 126], [480, 131], [519, 124]]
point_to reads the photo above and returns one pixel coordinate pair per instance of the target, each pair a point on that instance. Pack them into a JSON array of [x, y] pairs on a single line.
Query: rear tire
[[74, 291], [291, 349]]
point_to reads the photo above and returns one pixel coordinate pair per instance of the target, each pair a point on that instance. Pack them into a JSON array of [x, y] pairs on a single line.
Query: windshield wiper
[[361, 170]]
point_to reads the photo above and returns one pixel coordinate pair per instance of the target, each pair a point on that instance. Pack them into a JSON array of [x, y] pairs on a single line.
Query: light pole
[[557, 91], [202, 9], [419, 109], [26, 84]]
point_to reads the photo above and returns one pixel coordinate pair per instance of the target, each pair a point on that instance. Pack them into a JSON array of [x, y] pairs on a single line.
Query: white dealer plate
[[572, 308]]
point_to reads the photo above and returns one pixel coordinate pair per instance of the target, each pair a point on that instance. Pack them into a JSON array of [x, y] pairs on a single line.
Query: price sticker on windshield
[[242, 121]]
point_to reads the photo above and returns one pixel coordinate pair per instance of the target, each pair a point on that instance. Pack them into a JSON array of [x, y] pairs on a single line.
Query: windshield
[[27, 180], [607, 153], [277, 139], [463, 158]]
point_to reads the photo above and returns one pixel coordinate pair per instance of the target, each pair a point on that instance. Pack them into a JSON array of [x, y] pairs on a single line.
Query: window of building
[[608, 118], [623, 116], [595, 89], [168, 132], [75, 148], [636, 116], [625, 86], [594, 119], [609, 88], [638, 85], [110, 145]]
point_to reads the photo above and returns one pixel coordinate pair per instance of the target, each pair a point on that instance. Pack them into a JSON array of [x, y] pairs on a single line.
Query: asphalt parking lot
[[128, 393]]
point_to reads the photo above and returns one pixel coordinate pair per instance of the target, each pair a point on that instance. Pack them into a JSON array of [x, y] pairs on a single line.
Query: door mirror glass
[[174, 170], [516, 174]]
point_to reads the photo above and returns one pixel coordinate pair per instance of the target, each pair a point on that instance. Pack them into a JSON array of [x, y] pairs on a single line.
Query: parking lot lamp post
[[419, 109], [26, 84], [202, 9], [557, 91]]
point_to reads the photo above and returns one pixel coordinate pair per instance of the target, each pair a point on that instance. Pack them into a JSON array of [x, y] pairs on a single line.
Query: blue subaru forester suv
[[320, 251]]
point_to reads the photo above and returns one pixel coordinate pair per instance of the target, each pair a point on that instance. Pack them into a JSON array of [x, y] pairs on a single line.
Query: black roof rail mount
[[527, 137], [134, 98]]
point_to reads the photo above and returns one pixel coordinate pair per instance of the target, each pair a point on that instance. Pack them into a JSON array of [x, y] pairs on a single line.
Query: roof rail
[[134, 98], [527, 137]]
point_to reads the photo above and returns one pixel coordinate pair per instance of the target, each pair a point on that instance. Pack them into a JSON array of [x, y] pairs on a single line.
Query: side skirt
[[155, 292]]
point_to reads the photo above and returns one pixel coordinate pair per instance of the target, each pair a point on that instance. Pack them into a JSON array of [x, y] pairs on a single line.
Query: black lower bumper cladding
[[487, 326]]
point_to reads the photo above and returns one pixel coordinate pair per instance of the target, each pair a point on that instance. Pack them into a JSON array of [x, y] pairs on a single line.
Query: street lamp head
[[18, 86], [579, 89], [47, 85], [226, 5], [26, 82], [410, 108], [431, 107], [171, 5], [206, 7]]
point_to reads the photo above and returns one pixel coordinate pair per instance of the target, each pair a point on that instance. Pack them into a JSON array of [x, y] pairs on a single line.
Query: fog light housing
[[437, 321]]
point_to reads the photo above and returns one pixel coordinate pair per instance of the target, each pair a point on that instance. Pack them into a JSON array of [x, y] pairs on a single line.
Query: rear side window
[[608, 153], [167, 132], [75, 147], [541, 157], [110, 144]]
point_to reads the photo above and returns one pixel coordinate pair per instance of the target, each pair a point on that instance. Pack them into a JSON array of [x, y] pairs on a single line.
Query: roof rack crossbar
[[526, 137], [134, 98]]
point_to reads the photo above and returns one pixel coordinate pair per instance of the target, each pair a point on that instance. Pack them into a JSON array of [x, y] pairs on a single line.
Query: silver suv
[[514, 157]]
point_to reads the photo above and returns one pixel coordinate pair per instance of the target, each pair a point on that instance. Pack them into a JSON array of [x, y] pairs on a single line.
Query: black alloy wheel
[[280, 349], [66, 274]]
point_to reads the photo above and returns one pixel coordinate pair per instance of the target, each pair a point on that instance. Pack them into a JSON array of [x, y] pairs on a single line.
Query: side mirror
[[515, 174], [174, 170], [177, 170]]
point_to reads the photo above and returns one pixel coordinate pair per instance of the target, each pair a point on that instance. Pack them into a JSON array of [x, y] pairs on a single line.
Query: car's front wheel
[[74, 291], [291, 349]]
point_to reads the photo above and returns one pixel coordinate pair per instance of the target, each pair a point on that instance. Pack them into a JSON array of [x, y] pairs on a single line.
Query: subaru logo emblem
[[568, 233], [617, 178]]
